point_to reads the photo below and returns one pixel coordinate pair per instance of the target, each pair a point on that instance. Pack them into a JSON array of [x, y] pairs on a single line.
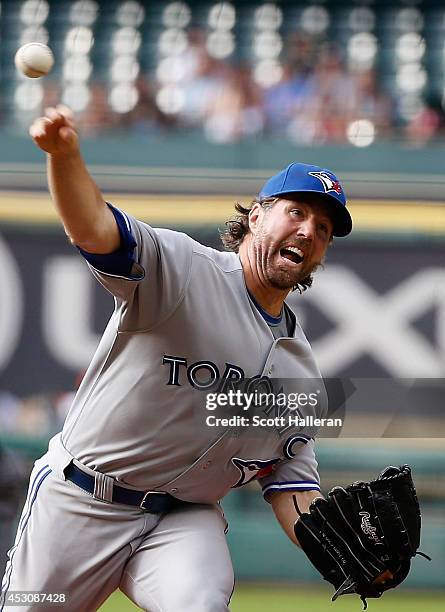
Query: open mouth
[[293, 254]]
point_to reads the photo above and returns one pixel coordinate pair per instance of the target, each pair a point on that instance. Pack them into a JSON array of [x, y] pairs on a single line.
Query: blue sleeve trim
[[118, 263], [299, 485]]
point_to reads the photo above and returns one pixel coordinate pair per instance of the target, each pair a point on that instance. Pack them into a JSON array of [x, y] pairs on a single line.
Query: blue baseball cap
[[298, 179]]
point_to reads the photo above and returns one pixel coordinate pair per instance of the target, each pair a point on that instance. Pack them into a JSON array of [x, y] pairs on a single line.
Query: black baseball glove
[[362, 537]]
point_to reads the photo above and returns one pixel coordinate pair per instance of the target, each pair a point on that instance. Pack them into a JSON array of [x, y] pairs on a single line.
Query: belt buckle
[[142, 506]]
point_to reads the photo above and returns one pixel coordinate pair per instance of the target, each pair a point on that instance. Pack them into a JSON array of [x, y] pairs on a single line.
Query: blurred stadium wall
[[185, 107]]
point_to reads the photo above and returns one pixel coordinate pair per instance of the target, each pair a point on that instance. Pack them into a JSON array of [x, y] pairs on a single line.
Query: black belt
[[155, 502]]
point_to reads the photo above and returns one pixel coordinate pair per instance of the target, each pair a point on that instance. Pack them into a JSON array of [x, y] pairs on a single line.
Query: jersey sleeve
[[297, 474], [148, 275], [119, 263]]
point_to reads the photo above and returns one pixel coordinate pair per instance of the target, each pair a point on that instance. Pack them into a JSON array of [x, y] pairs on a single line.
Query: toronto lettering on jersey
[[276, 409], [202, 375]]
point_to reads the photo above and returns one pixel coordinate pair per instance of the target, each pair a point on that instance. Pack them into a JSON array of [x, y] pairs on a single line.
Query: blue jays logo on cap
[[298, 179], [330, 183]]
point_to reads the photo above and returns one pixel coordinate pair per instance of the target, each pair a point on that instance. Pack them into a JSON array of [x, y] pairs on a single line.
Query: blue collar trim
[[270, 320]]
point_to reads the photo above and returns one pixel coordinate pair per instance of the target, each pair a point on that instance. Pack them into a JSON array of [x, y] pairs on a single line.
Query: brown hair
[[237, 227]]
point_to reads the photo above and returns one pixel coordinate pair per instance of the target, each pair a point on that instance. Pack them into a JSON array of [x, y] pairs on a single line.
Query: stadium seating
[[117, 44]]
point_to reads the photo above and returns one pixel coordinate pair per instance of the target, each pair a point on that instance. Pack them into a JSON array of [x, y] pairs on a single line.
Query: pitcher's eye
[[324, 230]]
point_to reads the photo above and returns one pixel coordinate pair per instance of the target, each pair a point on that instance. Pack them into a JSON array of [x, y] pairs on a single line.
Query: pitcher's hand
[[55, 132]]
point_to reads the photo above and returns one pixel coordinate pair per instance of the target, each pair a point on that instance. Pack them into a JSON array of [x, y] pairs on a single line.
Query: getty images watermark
[[280, 411]]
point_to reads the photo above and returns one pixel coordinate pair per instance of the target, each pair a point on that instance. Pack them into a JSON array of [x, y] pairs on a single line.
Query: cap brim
[[341, 219]]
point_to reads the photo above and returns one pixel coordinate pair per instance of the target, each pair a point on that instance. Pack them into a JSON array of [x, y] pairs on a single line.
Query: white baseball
[[34, 60]]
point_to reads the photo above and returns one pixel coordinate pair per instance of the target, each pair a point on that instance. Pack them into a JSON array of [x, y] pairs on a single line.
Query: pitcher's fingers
[[54, 115], [69, 122], [65, 110], [39, 127], [68, 115]]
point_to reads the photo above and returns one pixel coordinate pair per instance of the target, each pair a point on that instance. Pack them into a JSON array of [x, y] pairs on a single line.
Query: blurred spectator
[[282, 101], [12, 479], [236, 111], [97, 117], [9, 411], [423, 125], [35, 416], [334, 94], [146, 116], [323, 102], [201, 85], [371, 103], [302, 53]]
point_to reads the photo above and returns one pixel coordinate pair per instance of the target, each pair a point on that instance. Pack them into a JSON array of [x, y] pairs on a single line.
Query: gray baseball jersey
[[183, 324]]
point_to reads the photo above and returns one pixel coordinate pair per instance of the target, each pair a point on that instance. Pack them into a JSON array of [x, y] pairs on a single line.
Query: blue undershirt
[[281, 326], [270, 320]]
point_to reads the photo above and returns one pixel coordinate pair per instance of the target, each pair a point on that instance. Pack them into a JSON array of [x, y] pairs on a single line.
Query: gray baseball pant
[[69, 542]]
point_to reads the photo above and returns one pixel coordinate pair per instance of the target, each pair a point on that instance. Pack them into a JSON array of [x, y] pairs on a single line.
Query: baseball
[[34, 60]]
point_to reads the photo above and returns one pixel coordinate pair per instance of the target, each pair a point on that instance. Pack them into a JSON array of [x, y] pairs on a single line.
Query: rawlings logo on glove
[[362, 537], [367, 528]]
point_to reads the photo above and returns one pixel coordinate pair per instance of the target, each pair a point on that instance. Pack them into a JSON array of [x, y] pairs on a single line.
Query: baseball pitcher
[[127, 496]]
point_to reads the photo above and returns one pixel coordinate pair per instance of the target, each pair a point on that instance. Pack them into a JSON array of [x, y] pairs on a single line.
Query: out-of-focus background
[[184, 108]]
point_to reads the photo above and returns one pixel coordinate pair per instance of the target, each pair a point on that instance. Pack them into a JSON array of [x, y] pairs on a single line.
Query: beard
[[286, 280], [288, 277]]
